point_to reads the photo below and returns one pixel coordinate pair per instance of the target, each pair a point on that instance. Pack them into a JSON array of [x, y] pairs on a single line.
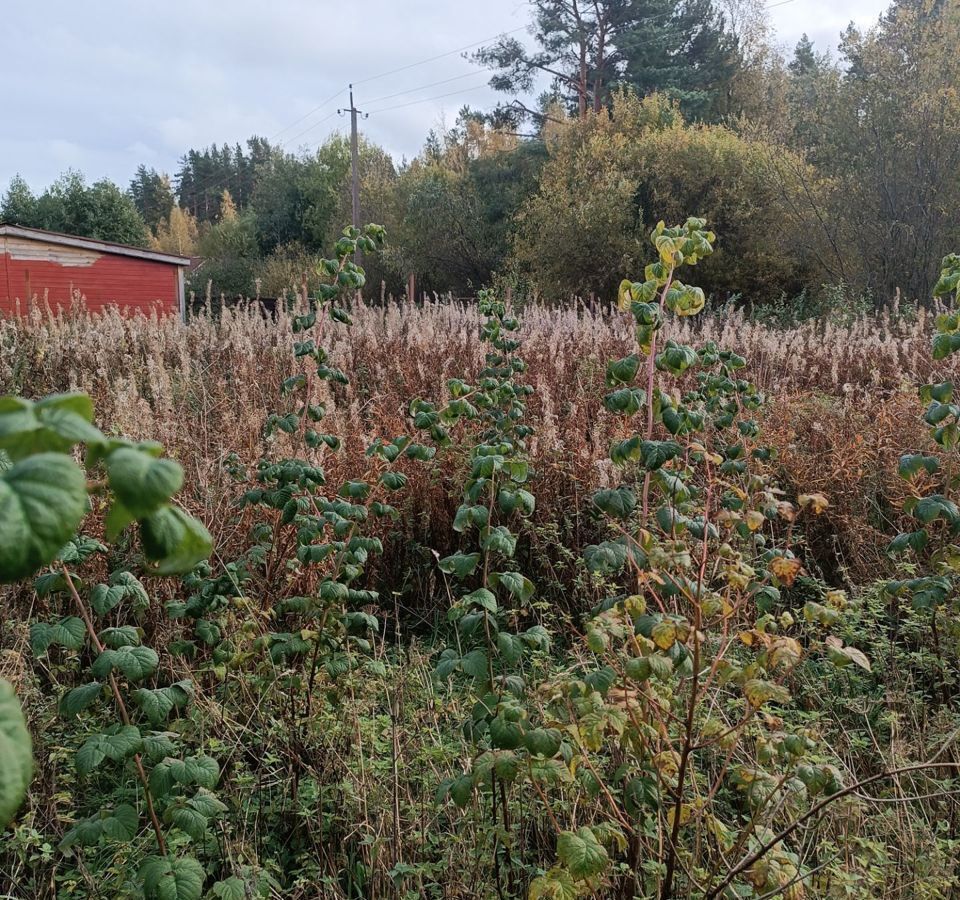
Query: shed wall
[[54, 273]]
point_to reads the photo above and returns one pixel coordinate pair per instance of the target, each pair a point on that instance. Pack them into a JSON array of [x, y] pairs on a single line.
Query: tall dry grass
[[842, 405]]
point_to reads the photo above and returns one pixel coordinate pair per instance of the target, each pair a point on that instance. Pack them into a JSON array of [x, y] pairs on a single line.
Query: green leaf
[[461, 790], [543, 741], [187, 819], [16, 754], [122, 586], [393, 481], [555, 884], [42, 501], [176, 542], [474, 664], [625, 401], [157, 745], [653, 454], [207, 803], [606, 558], [505, 735], [158, 703], [136, 663], [122, 823], [460, 564], [200, 770], [80, 698], [54, 424], [582, 854], [676, 358], [122, 636], [510, 647], [617, 502], [68, 632], [515, 583], [117, 743], [142, 482], [172, 878], [911, 463], [623, 371], [483, 598], [498, 540], [232, 888]]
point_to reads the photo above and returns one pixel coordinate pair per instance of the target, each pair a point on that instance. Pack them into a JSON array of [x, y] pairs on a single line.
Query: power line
[[308, 129], [427, 99], [431, 84], [438, 56], [307, 115]]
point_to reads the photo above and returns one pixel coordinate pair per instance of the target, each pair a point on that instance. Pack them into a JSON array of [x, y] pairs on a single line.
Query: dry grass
[[844, 407]]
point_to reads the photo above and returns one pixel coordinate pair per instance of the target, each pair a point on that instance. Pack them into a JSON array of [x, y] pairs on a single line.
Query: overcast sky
[[104, 85]]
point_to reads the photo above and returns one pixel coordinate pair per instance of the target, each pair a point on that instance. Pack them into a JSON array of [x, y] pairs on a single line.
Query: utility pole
[[354, 156]]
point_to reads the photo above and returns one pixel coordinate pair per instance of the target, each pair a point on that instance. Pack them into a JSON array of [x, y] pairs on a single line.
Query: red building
[[57, 268]]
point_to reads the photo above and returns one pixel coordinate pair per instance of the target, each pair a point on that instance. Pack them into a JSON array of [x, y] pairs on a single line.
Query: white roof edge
[[69, 240]]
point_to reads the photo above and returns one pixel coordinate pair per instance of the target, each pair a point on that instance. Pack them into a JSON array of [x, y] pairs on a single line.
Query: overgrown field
[[843, 403], [557, 699]]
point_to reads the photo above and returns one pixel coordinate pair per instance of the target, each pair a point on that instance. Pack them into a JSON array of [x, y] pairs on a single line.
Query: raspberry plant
[[492, 598], [45, 496], [933, 483], [684, 660], [321, 537]]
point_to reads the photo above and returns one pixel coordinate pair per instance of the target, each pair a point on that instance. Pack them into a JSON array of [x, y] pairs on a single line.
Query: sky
[[104, 85]]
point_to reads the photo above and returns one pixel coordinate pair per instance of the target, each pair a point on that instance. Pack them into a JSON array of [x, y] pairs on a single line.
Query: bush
[[612, 177]]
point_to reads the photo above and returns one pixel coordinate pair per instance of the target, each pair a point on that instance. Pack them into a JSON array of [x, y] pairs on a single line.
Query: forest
[[622, 561]]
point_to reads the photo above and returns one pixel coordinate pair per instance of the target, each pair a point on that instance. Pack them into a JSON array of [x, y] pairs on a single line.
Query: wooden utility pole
[[354, 157]]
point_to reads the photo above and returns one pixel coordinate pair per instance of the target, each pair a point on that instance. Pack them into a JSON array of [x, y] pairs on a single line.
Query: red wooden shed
[[59, 267]]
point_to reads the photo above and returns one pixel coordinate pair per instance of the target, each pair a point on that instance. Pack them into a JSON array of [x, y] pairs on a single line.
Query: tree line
[[652, 109]]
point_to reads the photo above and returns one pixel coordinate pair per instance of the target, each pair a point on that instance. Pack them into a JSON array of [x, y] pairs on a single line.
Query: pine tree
[[682, 49], [152, 194]]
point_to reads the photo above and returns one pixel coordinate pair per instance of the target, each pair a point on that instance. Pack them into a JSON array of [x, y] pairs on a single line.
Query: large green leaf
[[581, 852], [142, 482], [68, 632], [136, 663], [514, 583], [122, 586], [42, 501], [176, 542], [617, 502], [16, 754], [460, 564], [80, 698], [119, 824], [201, 770], [53, 424], [158, 703], [172, 878], [117, 743]]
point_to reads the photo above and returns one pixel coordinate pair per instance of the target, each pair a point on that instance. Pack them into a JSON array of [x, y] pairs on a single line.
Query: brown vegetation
[[845, 408]]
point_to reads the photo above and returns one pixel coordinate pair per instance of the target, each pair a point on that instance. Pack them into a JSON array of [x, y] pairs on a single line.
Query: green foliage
[[610, 178], [16, 756], [70, 205], [932, 544]]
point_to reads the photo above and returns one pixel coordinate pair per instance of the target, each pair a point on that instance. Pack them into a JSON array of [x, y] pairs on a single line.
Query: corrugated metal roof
[[71, 240]]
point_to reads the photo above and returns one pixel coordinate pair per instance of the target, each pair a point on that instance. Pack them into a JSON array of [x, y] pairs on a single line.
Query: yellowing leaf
[[755, 520], [757, 691], [785, 569], [816, 503], [664, 634]]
